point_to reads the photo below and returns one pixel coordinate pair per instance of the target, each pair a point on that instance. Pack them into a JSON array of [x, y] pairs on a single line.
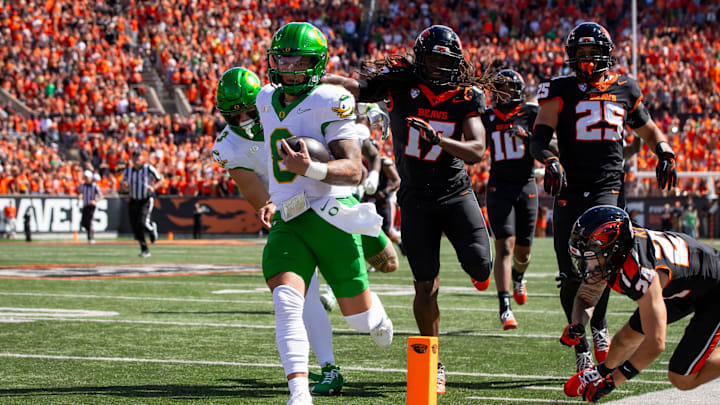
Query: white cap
[[88, 173], [97, 177]]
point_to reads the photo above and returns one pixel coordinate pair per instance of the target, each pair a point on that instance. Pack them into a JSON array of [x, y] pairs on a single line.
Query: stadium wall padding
[[61, 214]]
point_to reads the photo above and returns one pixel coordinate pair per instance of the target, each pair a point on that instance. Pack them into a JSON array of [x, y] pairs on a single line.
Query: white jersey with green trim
[[326, 113], [232, 151]]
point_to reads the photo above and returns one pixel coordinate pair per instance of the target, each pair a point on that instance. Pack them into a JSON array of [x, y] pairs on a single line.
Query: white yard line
[[538, 400], [274, 365], [251, 326]]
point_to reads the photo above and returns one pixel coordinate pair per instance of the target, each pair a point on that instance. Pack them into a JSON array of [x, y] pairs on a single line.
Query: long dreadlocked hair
[[397, 67]]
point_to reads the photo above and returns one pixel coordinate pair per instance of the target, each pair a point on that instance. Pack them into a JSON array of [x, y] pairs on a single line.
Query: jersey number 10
[[514, 148]]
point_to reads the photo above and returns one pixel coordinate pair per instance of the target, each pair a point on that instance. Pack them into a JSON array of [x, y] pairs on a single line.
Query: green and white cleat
[[332, 381], [328, 300]]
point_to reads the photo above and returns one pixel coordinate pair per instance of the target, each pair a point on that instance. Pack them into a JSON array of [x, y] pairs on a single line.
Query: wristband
[[628, 370], [317, 171]]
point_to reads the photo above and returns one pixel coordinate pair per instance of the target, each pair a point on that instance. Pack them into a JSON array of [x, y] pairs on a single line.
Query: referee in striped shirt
[[90, 194], [139, 181]]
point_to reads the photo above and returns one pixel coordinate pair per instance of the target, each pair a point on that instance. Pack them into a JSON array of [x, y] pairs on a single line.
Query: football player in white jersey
[[317, 222], [240, 149]]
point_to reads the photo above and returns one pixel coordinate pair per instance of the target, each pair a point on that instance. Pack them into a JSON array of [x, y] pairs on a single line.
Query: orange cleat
[[601, 343], [520, 292], [508, 320], [481, 285]]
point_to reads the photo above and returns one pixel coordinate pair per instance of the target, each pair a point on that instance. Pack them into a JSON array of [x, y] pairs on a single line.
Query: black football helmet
[[602, 231], [589, 33], [438, 56], [510, 82]]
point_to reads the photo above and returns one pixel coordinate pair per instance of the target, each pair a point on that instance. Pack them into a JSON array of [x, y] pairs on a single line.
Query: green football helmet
[[236, 93], [289, 45]]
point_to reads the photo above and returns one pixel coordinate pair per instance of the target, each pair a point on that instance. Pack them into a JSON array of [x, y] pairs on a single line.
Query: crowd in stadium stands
[[78, 65]]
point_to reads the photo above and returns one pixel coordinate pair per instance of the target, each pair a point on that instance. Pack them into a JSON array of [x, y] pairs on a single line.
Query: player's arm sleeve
[[373, 89], [638, 114], [542, 134]]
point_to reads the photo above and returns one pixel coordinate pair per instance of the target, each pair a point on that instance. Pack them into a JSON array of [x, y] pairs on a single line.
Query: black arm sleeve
[[540, 142], [372, 90]]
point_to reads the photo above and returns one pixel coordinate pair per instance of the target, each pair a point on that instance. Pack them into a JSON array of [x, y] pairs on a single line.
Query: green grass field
[[184, 340]]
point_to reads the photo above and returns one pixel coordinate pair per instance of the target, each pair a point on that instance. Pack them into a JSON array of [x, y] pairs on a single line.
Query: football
[[316, 149]]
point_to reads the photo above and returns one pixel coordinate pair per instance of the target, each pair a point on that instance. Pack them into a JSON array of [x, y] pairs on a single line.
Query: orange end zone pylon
[[422, 370]]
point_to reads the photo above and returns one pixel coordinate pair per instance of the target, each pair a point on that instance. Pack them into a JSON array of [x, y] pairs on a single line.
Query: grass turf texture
[[175, 341]]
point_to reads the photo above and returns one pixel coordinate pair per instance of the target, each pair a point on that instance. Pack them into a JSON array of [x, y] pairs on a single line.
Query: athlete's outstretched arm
[[253, 190], [472, 148], [653, 316], [351, 85], [651, 134]]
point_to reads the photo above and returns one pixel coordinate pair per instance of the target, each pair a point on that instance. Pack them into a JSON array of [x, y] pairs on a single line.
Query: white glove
[[377, 116], [371, 183]]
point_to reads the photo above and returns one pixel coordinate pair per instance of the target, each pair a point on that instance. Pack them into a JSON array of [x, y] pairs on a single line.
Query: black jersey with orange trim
[[426, 171], [693, 267], [591, 122], [511, 159]]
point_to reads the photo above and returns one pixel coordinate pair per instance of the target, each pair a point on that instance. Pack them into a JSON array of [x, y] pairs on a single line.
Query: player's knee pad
[[368, 320], [290, 335], [478, 269]]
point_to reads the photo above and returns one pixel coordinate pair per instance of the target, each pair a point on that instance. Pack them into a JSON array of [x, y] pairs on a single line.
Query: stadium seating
[[78, 66]]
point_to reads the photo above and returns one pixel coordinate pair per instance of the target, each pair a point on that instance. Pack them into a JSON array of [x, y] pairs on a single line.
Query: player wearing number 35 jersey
[[589, 110], [670, 275]]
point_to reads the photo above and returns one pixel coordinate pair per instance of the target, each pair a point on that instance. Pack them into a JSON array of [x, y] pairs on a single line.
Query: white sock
[[370, 319], [298, 384], [317, 324], [290, 335]]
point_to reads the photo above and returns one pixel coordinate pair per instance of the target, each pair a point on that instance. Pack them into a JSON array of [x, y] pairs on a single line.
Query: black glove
[[554, 176], [573, 334], [596, 391], [426, 131], [665, 170]]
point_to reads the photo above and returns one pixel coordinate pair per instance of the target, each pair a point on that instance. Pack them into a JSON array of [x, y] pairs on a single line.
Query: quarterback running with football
[[317, 222], [512, 202], [240, 149], [435, 192], [589, 111], [670, 275]]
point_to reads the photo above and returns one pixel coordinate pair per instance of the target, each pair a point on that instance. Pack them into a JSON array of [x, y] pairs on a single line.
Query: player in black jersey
[[670, 275], [589, 110], [436, 129], [512, 202]]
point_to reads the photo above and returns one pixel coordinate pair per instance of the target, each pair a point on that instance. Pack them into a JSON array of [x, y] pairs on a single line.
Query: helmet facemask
[[294, 74], [438, 69], [589, 64], [511, 89], [600, 242], [244, 123], [297, 58]]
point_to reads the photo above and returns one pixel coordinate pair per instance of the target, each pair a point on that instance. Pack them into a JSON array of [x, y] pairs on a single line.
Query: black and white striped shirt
[[139, 179], [90, 192]]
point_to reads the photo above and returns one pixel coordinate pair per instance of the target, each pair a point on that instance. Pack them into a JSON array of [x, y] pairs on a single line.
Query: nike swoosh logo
[[531, 195], [520, 113], [300, 110], [621, 83]]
